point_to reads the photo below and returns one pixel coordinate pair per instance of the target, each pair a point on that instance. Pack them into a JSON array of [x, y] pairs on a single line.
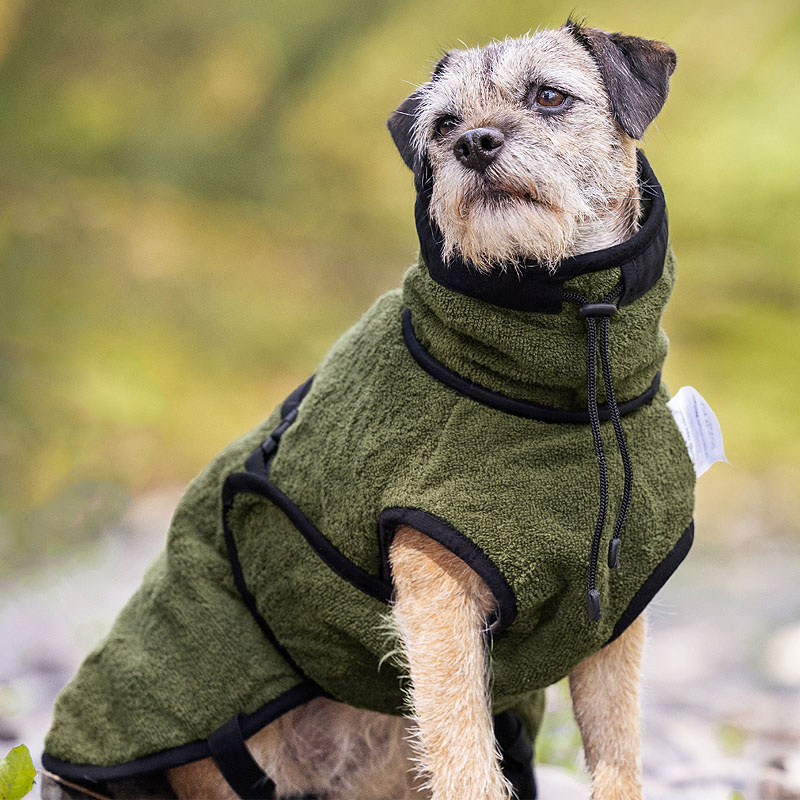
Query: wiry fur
[[605, 701], [325, 747], [563, 184], [561, 181], [440, 611]]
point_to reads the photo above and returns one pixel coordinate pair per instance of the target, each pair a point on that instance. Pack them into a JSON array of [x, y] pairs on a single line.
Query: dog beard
[[497, 219]]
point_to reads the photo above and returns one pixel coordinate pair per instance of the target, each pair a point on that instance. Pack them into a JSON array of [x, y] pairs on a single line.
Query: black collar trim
[[640, 258], [511, 405]]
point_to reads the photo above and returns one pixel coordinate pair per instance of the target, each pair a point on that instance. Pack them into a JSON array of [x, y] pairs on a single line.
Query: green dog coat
[[461, 405]]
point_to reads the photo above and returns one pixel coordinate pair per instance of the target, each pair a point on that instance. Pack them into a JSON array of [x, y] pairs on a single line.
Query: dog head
[[530, 143]]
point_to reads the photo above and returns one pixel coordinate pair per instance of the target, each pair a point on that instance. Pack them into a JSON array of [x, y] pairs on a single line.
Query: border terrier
[[528, 176]]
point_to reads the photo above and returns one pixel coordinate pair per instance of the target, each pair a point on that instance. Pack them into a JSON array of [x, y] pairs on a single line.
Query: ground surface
[[722, 678]]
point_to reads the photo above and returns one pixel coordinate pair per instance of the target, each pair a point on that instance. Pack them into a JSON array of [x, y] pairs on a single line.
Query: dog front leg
[[605, 700], [440, 611]]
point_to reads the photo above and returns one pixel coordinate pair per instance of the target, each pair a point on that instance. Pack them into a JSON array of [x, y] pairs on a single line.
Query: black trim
[[516, 752], [256, 481], [229, 492], [237, 765], [511, 405], [258, 461], [257, 484], [657, 578], [293, 400], [457, 543], [186, 753], [531, 287]]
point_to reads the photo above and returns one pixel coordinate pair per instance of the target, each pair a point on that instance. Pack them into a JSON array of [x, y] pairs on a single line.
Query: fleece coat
[[274, 584]]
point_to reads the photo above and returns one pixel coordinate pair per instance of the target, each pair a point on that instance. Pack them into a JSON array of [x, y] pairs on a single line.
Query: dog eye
[[550, 98], [445, 125]]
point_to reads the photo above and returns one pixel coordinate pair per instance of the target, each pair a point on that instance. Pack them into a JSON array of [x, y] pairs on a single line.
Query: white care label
[[699, 427]]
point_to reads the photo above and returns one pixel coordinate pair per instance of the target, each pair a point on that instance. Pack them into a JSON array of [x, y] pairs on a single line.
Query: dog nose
[[476, 149]]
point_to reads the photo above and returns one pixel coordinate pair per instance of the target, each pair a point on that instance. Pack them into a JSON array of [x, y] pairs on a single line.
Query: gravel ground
[[721, 684]]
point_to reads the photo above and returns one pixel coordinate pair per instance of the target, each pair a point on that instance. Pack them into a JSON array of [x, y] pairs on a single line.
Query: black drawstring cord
[[591, 312], [622, 445], [593, 596]]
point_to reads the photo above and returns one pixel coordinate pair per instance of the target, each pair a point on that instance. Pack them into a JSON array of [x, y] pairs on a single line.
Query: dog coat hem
[[185, 753]]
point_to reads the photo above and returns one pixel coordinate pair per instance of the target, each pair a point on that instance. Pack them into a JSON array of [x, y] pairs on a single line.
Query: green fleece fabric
[[184, 655], [376, 432]]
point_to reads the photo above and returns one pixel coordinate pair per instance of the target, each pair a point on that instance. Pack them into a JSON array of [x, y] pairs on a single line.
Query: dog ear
[[401, 126], [401, 123], [635, 71]]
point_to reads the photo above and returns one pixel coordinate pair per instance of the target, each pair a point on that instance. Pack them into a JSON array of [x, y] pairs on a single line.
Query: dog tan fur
[[558, 189], [324, 747], [605, 700], [444, 635], [563, 184]]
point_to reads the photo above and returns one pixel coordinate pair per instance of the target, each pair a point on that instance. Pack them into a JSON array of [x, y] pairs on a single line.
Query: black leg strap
[[237, 764], [517, 762]]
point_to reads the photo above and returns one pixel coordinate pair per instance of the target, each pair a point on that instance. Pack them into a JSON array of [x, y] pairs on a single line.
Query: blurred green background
[[198, 197]]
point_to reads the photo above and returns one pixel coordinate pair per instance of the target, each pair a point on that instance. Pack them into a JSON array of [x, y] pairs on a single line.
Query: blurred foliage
[[731, 739], [199, 197]]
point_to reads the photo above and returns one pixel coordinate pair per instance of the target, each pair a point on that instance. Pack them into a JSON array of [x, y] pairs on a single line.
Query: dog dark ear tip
[[672, 59], [635, 132], [668, 55]]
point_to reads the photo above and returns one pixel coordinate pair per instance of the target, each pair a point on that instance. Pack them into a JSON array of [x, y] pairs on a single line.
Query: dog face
[[530, 142]]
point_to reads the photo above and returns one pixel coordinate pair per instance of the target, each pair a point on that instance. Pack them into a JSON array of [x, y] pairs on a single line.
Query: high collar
[[531, 287], [515, 334]]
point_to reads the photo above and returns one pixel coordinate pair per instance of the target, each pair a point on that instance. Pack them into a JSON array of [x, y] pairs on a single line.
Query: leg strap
[[237, 764], [517, 751]]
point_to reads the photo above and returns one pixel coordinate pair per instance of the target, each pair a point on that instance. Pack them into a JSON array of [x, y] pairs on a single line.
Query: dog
[[526, 168]]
